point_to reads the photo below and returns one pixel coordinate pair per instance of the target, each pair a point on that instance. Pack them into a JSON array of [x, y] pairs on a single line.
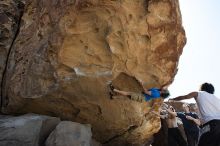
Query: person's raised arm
[[196, 121], [146, 91], [172, 113], [188, 96]]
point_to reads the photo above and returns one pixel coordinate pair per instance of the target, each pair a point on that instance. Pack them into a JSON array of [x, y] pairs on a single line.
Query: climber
[[147, 95]]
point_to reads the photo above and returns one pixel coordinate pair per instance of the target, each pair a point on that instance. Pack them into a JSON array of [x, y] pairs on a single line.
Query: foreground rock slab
[[70, 134], [26, 130]]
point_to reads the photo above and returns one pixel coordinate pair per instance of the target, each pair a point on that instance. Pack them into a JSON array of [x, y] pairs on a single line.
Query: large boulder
[[26, 130], [70, 134], [67, 52]]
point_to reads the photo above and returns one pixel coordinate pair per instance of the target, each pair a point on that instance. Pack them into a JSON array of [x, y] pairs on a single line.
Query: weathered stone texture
[[10, 14], [70, 134], [67, 51], [26, 130]]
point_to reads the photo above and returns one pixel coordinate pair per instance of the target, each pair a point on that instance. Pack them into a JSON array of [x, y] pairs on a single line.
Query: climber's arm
[[146, 91]]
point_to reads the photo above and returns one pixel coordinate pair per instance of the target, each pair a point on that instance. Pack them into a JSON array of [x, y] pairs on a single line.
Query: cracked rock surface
[[10, 16], [65, 53]]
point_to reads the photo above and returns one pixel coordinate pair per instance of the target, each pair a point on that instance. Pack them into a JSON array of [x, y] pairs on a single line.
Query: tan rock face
[[67, 52]]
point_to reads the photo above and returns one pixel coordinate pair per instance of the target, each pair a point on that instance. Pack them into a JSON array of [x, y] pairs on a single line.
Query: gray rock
[[70, 134], [95, 143], [26, 130]]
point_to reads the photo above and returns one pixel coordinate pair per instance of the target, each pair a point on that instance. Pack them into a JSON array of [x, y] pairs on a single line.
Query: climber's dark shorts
[[138, 97]]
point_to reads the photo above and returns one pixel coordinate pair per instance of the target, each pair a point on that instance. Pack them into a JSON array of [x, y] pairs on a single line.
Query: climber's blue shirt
[[155, 93]]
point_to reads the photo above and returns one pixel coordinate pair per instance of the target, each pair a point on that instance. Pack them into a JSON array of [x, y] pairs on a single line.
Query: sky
[[200, 60]]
